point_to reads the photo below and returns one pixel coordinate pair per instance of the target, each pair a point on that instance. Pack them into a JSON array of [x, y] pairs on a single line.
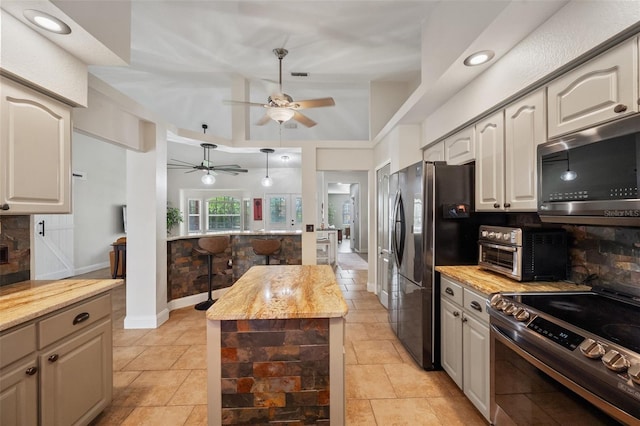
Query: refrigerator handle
[[398, 220]]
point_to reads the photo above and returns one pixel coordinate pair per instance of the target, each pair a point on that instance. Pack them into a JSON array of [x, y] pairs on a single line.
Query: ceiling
[[187, 57]]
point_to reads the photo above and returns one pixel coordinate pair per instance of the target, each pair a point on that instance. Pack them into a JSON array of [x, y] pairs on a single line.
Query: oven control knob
[[492, 234], [509, 309], [591, 349], [615, 361], [497, 302], [521, 314], [634, 373], [484, 234]]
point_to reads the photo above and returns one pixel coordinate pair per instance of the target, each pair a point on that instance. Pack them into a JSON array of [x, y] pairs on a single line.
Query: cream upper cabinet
[[605, 88], [461, 147], [434, 152], [35, 152], [490, 163], [524, 131]]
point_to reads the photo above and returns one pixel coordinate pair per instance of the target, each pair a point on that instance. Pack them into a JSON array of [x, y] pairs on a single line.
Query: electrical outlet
[[310, 228]]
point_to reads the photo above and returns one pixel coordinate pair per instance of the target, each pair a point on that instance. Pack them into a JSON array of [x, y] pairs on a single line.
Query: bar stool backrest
[[214, 245]]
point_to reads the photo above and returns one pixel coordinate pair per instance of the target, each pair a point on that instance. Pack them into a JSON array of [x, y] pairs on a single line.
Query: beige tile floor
[[159, 375]]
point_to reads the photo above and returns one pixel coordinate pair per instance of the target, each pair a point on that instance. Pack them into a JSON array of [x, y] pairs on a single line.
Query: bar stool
[[210, 247], [268, 248]]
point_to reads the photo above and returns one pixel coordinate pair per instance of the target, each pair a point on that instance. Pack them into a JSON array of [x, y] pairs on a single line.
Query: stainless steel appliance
[[430, 225], [524, 254], [565, 358], [592, 177]]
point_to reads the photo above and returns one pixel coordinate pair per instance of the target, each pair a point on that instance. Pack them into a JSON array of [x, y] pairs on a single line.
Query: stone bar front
[[187, 270], [275, 348]]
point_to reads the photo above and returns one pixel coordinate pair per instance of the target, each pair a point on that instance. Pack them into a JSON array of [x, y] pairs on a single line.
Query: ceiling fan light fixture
[[479, 58], [280, 114], [208, 179]]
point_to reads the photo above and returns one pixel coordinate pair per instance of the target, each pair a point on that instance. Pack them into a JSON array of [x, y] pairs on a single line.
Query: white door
[[283, 212], [53, 248], [382, 266]]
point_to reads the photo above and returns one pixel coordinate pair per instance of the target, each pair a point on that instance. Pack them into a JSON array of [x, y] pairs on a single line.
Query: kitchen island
[[55, 351], [275, 348]]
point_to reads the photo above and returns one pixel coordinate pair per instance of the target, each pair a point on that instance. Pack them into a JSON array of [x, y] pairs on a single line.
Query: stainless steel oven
[[564, 358], [524, 254]]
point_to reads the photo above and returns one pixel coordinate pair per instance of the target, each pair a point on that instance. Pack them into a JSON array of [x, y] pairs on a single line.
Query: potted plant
[[174, 217]]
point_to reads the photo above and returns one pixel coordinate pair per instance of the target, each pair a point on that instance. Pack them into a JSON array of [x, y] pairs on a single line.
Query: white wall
[[97, 201]]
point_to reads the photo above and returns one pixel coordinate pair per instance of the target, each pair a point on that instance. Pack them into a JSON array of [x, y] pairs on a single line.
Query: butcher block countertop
[[26, 300], [488, 282], [282, 292]]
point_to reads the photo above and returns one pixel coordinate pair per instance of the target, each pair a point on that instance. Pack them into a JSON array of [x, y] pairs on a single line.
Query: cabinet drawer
[[451, 290], [17, 344], [476, 304], [73, 319]]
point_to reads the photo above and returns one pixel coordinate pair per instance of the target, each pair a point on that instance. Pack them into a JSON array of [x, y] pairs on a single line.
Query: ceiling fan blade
[[313, 103], [264, 120], [229, 169], [244, 103], [226, 166], [179, 161], [233, 172], [303, 119]]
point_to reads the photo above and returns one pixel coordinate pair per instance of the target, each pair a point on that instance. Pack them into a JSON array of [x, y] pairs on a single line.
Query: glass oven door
[[500, 258], [524, 391]]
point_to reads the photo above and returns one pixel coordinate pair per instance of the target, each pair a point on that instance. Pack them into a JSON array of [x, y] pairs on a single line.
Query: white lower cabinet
[[465, 341]]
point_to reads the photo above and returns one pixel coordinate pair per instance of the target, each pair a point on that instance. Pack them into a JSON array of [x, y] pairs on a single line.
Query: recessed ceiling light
[[479, 58], [285, 158], [46, 21]]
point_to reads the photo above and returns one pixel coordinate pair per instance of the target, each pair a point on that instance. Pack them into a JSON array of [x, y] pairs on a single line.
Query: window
[[346, 212], [193, 215], [223, 214]]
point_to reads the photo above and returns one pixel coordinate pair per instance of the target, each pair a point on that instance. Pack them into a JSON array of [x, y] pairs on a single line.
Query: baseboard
[[146, 321], [192, 300], [371, 287], [91, 268]]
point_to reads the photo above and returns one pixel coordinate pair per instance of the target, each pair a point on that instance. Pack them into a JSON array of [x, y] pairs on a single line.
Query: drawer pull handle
[[31, 371], [456, 314], [448, 291], [82, 317], [496, 205], [464, 320], [5, 206], [475, 305], [619, 108], [53, 358]]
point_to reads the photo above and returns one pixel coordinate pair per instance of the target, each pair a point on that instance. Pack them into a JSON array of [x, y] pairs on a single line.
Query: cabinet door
[[434, 152], [19, 393], [451, 344], [35, 152], [602, 89], [77, 377], [461, 147], [476, 366], [490, 163], [524, 131]]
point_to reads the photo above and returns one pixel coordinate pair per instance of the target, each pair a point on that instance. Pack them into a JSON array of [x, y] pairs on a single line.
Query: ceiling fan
[[207, 166], [281, 107]]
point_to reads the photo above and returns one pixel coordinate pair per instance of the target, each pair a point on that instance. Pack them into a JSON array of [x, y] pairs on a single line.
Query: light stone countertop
[[26, 300], [282, 292], [488, 282]]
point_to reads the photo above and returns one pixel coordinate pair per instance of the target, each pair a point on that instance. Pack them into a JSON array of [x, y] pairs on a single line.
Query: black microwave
[[592, 177]]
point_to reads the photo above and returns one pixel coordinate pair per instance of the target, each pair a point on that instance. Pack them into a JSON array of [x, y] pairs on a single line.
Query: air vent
[[290, 125], [299, 74]]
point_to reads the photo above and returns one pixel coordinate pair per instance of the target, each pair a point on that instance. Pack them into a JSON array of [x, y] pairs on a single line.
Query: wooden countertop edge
[[28, 300]]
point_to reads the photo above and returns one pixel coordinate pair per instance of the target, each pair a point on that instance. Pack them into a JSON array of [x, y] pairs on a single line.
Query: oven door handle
[[499, 247]]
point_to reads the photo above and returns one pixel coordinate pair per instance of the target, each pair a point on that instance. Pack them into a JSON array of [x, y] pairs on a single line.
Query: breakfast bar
[[275, 348]]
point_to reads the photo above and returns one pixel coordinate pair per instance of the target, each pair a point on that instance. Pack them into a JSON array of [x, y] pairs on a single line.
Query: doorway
[[382, 226]]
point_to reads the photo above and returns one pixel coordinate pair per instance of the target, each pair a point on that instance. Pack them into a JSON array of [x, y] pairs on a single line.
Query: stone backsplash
[[14, 234], [599, 255]]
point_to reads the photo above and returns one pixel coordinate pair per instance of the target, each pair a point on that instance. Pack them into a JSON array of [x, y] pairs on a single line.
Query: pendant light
[[267, 181]]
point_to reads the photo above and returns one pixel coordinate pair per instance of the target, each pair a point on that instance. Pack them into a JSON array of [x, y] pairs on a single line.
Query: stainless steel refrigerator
[[431, 224]]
